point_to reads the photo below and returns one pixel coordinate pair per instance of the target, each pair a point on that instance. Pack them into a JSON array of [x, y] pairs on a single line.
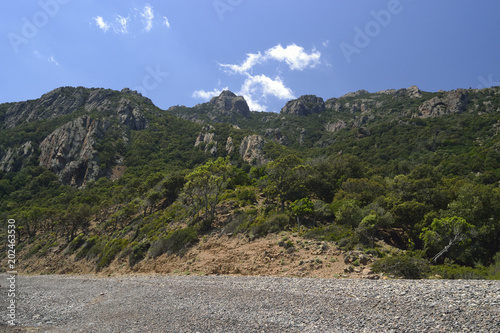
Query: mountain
[[95, 176]]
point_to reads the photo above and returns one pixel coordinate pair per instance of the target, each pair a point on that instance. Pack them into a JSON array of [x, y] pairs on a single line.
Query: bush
[[246, 195], [75, 244], [403, 265], [138, 253], [111, 249], [273, 224], [329, 233], [174, 242], [90, 248], [456, 272]]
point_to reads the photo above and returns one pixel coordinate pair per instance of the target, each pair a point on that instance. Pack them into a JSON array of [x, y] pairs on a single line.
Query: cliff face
[[452, 102], [70, 149]]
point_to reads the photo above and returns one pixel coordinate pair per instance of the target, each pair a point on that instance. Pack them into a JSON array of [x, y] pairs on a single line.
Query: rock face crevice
[[70, 152], [252, 150]]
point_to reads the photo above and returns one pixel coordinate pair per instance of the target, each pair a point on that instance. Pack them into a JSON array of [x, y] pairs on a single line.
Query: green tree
[[446, 232], [285, 179], [301, 208], [205, 186]]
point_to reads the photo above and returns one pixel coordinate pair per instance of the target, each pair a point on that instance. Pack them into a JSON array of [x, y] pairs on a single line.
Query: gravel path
[[250, 304]]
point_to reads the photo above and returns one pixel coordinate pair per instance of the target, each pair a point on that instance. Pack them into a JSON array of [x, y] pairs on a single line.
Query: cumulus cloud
[[148, 16], [99, 21], [208, 94], [294, 56], [257, 89]]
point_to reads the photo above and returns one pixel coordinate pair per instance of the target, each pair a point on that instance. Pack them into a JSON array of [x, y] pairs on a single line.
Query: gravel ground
[[250, 304]]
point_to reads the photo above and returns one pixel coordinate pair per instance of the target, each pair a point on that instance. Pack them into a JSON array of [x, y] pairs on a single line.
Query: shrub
[[174, 242], [330, 233], [403, 265], [138, 253], [89, 249], [75, 244], [246, 195], [273, 224], [111, 249]]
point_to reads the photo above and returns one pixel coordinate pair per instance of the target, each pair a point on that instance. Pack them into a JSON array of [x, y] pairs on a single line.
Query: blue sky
[[181, 52]]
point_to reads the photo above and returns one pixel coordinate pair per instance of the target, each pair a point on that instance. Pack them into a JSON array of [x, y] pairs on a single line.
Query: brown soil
[[215, 254]]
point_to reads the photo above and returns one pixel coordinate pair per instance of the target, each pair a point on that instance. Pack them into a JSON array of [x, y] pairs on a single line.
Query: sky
[[183, 52]]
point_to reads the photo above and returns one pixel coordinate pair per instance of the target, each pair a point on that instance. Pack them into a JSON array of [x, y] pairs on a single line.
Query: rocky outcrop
[[66, 100], [13, 158], [275, 135], [451, 102], [228, 103], [412, 92], [70, 151], [206, 140], [229, 145], [252, 150], [336, 126], [304, 106]]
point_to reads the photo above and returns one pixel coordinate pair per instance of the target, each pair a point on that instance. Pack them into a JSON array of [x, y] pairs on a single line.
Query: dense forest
[[415, 170]]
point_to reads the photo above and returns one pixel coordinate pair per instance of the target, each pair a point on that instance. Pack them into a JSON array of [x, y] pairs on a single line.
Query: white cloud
[[148, 16], [256, 89], [295, 56], [252, 60], [99, 21], [53, 60], [121, 24], [208, 94], [166, 22]]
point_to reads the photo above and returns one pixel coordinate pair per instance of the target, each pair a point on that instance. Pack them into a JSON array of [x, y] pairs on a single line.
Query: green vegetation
[[428, 186]]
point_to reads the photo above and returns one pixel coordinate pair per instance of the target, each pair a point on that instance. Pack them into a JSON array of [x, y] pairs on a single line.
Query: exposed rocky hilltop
[[68, 125], [227, 107], [228, 103], [80, 118], [304, 106]]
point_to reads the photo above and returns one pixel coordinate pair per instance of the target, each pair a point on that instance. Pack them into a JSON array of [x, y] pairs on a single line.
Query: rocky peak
[[228, 103], [304, 105], [412, 92], [66, 100]]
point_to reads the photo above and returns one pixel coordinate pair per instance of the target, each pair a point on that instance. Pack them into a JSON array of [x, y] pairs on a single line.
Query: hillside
[[104, 181]]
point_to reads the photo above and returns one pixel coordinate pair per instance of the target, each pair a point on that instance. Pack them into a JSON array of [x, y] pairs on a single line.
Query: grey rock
[[228, 103], [304, 105], [69, 151], [252, 150], [9, 160], [336, 126], [451, 102]]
